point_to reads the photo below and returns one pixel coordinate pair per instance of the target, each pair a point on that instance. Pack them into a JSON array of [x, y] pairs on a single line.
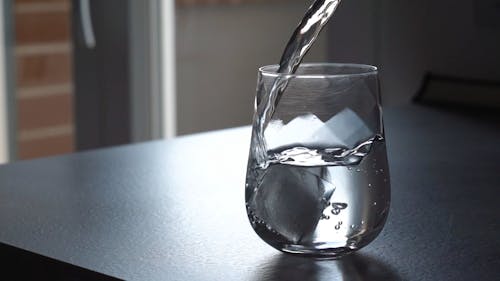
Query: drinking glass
[[317, 179]]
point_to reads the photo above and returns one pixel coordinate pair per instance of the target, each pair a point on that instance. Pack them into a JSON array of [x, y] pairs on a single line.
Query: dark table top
[[174, 210]]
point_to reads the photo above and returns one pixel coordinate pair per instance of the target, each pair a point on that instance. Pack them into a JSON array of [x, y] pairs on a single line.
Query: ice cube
[[347, 128], [291, 200], [302, 131]]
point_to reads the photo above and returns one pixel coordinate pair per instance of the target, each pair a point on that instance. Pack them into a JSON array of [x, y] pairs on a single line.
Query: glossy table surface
[[174, 210]]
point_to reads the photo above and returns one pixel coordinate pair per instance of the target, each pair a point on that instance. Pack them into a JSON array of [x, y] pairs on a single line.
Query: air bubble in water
[[337, 227], [338, 205]]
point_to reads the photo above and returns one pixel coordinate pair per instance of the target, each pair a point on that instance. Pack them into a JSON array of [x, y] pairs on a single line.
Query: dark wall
[[408, 38]]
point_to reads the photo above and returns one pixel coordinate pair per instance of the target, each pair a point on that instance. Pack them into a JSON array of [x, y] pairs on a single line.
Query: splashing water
[[299, 44]]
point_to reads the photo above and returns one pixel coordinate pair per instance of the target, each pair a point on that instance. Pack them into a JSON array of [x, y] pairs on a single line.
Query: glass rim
[[364, 70]]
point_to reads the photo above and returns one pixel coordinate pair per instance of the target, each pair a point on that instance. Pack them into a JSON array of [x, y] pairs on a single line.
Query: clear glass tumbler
[[317, 178]]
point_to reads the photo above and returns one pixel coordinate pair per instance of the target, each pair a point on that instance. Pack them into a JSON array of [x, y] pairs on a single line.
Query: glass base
[[323, 251]]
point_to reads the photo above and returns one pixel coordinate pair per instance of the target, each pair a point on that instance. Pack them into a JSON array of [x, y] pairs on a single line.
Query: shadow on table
[[18, 264], [355, 267]]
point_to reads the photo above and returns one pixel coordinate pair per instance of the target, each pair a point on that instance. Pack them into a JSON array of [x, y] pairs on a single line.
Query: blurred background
[[84, 74]]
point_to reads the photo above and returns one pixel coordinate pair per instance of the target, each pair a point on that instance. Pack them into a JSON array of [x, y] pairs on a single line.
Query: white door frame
[[152, 58], [167, 54], [5, 126]]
